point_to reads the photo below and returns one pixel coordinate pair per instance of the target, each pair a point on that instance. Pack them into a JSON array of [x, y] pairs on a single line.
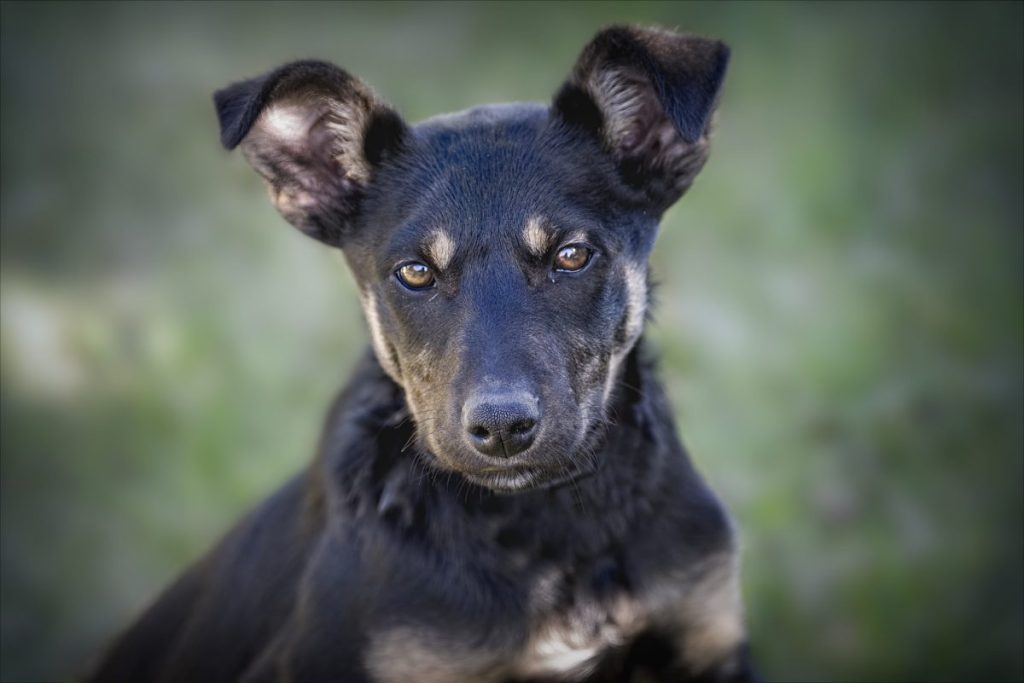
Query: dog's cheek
[[595, 350], [427, 392], [630, 325], [588, 367], [596, 354], [634, 276], [387, 354], [420, 390]]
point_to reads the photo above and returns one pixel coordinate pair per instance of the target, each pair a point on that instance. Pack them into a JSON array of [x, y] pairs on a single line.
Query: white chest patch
[[570, 632], [569, 643], [559, 652]]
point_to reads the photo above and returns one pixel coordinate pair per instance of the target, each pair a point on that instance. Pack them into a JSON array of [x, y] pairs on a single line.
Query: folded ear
[[648, 96], [316, 135]]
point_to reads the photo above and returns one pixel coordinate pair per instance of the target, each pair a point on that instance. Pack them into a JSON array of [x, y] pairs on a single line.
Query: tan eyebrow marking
[[440, 248], [536, 237]]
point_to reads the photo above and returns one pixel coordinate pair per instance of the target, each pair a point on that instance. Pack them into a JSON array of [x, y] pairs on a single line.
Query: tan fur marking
[[713, 614], [613, 375], [566, 644], [440, 248], [405, 654], [536, 237], [377, 335], [636, 292], [636, 308]]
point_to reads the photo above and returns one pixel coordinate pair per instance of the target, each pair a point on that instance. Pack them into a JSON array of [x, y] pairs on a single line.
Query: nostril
[[522, 427], [479, 432]]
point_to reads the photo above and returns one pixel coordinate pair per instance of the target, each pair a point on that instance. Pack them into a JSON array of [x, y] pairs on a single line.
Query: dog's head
[[501, 253]]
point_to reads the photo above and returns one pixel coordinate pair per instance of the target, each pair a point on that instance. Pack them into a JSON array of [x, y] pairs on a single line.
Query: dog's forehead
[[498, 173], [488, 161]]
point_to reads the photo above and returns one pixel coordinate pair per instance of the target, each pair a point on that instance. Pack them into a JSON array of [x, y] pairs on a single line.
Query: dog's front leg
[[653, 659], [702, 636], [293, 658], [322, 639]]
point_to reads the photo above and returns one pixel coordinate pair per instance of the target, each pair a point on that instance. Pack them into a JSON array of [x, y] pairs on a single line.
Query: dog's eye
[[415, 275], [572, 257]]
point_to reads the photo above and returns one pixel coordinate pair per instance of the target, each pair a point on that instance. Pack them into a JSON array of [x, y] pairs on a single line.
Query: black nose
[[501, 424]]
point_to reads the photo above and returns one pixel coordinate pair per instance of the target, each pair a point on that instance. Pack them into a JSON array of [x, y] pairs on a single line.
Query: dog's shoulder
[[228, 604]]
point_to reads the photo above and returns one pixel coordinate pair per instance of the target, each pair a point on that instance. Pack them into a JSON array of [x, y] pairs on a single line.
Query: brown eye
[[572, 257], [415, 275]]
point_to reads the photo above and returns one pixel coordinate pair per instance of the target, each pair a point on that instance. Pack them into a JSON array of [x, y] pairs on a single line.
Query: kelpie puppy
[[499, 494]]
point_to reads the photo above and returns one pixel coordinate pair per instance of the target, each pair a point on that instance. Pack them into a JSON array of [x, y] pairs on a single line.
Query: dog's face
[[501, 253], [502, 288]]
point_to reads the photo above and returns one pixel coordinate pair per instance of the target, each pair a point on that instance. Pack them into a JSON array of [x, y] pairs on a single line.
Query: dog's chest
[[540, 588], [567, 627], [577, 623]]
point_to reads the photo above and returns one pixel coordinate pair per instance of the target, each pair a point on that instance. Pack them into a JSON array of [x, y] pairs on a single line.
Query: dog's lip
[[502, 479], [513, 479]]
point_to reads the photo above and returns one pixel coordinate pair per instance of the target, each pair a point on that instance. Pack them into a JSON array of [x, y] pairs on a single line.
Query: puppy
[[499, 493]]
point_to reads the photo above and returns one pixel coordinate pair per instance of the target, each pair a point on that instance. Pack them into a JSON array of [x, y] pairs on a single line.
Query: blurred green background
[[840, 310]]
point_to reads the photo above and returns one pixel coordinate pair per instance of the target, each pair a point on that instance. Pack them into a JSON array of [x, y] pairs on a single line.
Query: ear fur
[[647, 95], [316, 135]]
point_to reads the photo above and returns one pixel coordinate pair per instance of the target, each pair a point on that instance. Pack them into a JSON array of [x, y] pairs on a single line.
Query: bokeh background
[[839, 316]]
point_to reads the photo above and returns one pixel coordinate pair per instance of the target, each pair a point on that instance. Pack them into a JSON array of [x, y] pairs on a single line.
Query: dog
[[499, 494]]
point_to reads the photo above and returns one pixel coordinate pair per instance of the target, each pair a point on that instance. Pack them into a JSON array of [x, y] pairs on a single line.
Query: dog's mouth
[[520, 479], [557, 457]]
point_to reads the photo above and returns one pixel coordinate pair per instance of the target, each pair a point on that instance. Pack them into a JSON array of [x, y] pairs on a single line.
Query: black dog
[[499, 494]]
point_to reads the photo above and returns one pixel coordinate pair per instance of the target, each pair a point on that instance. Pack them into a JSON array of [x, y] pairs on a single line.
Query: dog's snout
[[501, 424]]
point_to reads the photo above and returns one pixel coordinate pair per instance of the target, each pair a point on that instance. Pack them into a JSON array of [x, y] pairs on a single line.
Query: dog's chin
[[515, 478], [512, 481], [523, 479]]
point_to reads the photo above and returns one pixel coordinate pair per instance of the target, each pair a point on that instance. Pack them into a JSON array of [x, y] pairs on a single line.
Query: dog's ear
[[647, 95], [316, 135]]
